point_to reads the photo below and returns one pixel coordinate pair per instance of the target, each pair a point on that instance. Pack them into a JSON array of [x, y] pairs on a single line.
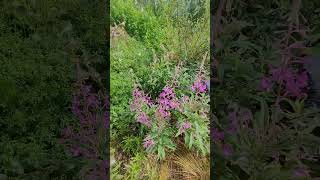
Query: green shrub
[[39, 41], [140, 23]]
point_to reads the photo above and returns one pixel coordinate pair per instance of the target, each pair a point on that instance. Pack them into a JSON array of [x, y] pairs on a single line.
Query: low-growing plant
[[170, 116], [88, 140], [265, 130]]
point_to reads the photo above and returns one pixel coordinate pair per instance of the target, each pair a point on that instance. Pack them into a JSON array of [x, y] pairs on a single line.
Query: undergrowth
[[157, 48], [40, 43], [265, 130]]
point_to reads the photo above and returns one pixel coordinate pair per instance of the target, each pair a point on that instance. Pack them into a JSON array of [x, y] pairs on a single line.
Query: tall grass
[[178, 27]]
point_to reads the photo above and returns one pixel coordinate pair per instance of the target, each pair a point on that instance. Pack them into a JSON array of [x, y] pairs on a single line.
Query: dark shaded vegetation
[[41, 44], [265, 121]]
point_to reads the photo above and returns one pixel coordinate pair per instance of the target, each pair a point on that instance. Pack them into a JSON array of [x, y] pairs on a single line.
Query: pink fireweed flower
[[293, 84], [199, 86], [227, 150], [85, 140], [144, 119], [167, 101], [139, 98], [92, 101], [217, 135], [148, 142], [163, 112], [265, 84], [292, 89], [186, 125], [280, 74], [302, 79], [301, 172], [233, 127]]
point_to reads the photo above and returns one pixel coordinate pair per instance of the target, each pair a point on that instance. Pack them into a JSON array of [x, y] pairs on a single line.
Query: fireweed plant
[[171, 117], [88, 139], [265, 131]]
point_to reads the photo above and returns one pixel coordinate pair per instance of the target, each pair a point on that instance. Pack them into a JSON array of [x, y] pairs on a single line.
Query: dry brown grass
[[164, 172], [185, 165]]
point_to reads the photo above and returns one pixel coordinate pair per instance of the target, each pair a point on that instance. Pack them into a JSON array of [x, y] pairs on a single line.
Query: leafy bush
[[141, 24], [148, 40], [180, 29], [89, 140], [39, 42], [189, 113], [265, 130], [127, 56]]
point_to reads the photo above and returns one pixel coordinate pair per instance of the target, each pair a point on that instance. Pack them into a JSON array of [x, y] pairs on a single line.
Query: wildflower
[[167, 101], [148, 142], [85, 89], [199, 86], [227, 150], [163, 112], [144, 119], [92, 101], [301, 172], [265, 84], [186, 125], [296, 85], [107, 119], [233, 122], [245, 116], [302, 79], [281, 74], [292, 89], [217, 135], [84, 142], [185, 99], [293, 83], [139, 98]]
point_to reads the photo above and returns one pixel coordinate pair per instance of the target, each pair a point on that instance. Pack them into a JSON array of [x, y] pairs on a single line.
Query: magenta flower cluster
[[148, 142], [167, 101], [85, 142], [301, 172], [144, 119], [200, 85], [218, 137], [184, 126], [294, 84], [139, 100], [233, 126], [241, 116]]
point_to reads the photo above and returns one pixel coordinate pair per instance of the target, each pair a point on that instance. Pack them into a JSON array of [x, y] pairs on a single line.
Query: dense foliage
[[41, 41], [157, 48], [265, 130]]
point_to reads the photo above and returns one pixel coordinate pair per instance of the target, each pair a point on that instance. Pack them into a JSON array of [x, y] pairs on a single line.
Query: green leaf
[[191, 141]]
